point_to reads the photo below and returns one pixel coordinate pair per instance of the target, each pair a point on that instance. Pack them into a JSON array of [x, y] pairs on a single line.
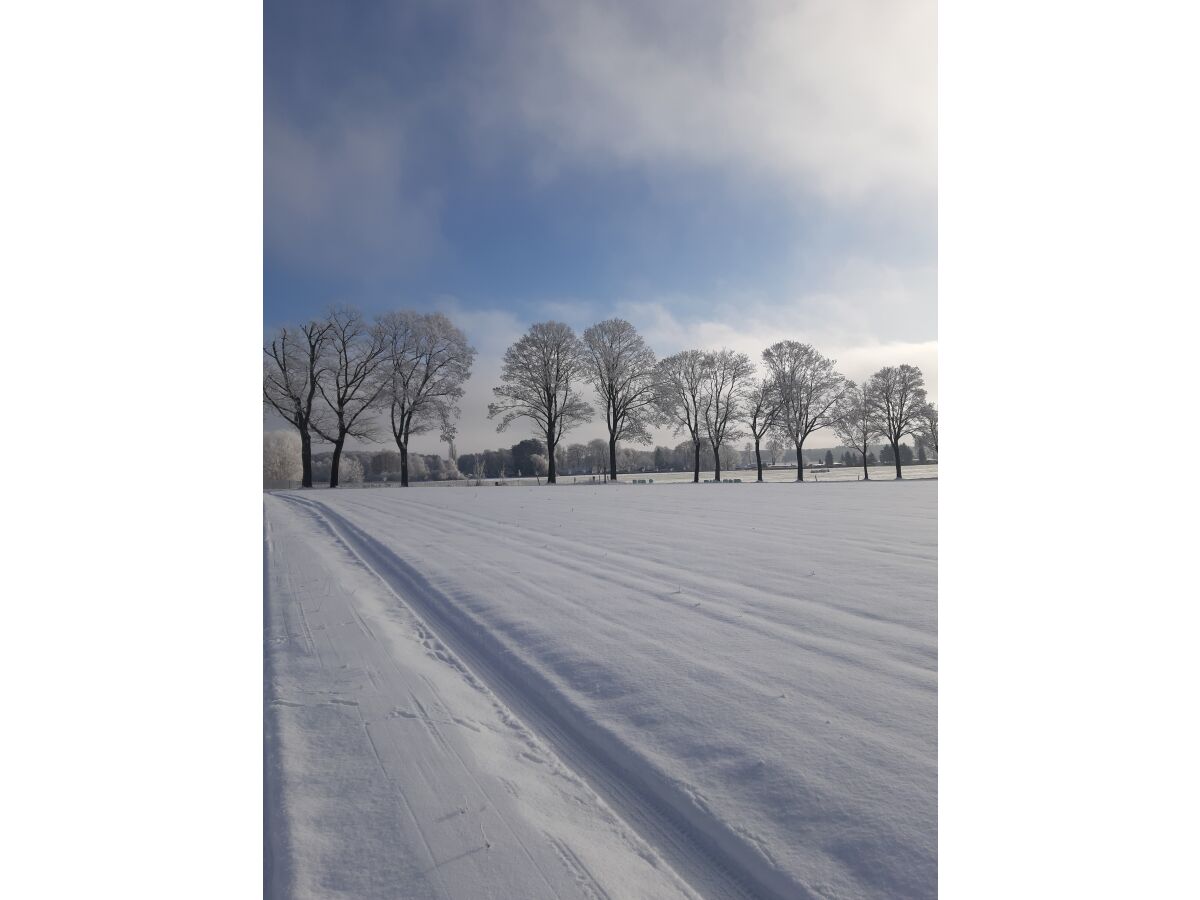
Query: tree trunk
[[866, 474], [612, 457], [716, 462], [337, 459], [696, 473], [551, 468], [305, 458], [403, 463], [758, 458], [800, 461], [896, 453]]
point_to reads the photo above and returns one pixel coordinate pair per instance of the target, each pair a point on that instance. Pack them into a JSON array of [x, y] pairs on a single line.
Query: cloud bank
[[720, 174]]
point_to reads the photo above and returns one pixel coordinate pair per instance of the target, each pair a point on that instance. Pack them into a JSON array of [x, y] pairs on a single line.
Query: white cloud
[[858, 302], [834, 99]]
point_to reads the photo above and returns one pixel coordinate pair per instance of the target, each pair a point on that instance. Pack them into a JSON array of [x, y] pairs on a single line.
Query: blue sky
[[719, 174]]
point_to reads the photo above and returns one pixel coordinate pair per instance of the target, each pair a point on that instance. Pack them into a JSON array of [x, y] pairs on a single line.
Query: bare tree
[[539, 374], [429, 361], [678, 394], [761, 414], [811, 392], [292, 375], [897, 398], [621, 368], [355, 353], [856, 427], [725, 375], [927, 429]]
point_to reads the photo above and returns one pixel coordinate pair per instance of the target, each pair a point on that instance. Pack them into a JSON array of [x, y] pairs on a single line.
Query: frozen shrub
[[350, 470], [281, 456]]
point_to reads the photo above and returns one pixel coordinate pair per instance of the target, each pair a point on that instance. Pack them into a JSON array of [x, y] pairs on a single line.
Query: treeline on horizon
[[343, 377], [528, 459]]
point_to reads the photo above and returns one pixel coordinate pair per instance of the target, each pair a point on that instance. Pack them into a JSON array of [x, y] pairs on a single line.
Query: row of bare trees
[[337, 377], [709, 396], [330, 378]]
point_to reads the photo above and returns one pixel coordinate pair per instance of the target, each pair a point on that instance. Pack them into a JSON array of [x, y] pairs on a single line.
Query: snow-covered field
[[603, 691]]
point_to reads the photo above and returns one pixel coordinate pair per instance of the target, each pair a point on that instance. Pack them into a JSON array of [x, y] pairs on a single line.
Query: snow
[[603, 691]]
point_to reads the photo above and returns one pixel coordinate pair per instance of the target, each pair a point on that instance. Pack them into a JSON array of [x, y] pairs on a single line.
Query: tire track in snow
[[435, 734], [710, 856], [448, 748], [636, 571], [581, 873], [633, 575], [435, 865]]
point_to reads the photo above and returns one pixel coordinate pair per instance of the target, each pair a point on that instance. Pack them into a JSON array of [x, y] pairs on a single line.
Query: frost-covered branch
[[897, 400], [538, 383], [293, 374], [354, 355], [760, 412], [429, 362], [620, 366], [726, 373], [812, 392], [678, 395]]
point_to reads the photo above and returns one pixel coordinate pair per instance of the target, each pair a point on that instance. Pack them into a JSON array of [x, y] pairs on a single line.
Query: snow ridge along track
[[276, 875], [702, 849]]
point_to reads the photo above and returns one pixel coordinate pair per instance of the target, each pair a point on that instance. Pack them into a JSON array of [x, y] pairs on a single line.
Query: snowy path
[[391, 773], [746, 675]]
